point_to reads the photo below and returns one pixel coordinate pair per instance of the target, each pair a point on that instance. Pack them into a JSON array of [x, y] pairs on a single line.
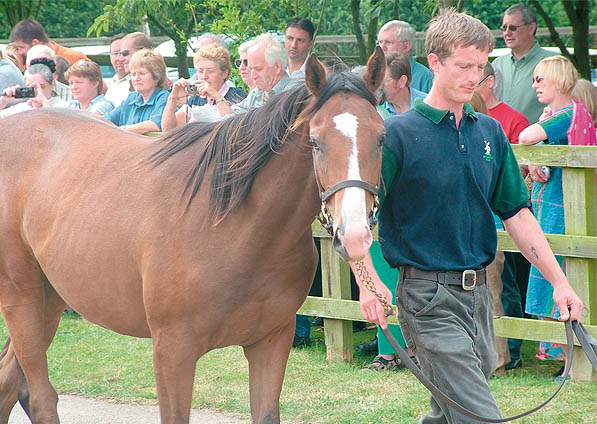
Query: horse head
[[346, 135]]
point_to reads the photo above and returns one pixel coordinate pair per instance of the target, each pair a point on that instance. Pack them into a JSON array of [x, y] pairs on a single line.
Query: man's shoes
[[301, 341], [368, 347], [382, 364], [512, 365]]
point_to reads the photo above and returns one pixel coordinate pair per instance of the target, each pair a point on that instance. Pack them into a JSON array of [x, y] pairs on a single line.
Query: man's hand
[[568, 303], [372, 309]]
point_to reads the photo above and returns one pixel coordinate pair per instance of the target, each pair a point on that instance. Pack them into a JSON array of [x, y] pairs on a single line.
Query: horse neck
[[285, 190]]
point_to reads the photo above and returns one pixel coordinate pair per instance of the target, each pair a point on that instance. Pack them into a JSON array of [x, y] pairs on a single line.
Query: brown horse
[[200, 239]]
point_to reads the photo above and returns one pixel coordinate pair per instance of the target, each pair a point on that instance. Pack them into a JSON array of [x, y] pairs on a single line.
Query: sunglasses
[[484, 79], [538, 80], [512, 28], [239, 62]]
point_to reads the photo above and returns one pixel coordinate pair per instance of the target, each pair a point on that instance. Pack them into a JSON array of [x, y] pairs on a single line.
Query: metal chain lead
[[366, 280]]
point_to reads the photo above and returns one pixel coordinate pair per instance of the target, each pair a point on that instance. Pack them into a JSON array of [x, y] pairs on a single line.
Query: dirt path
[[81, 410]]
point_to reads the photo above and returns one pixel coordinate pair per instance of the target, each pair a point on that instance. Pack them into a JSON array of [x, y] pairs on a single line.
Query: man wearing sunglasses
[[519, 26], [128, 45]]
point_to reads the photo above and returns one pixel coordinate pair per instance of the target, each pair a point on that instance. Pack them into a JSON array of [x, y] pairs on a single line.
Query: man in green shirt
[[519, 27]]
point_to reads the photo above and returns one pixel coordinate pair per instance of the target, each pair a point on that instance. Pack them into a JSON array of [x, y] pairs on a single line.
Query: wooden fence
[[579, 245]]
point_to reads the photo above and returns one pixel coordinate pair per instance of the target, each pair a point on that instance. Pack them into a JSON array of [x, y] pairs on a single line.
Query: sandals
[[382, 364]]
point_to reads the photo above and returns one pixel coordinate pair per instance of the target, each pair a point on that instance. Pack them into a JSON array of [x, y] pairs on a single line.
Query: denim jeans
[[451, 333]]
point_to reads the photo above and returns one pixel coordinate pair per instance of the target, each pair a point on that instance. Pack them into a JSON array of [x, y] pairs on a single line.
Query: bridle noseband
[[324, 217]]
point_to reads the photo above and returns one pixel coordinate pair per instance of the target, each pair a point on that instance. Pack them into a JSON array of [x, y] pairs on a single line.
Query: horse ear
[[376, 70], [314, 75]]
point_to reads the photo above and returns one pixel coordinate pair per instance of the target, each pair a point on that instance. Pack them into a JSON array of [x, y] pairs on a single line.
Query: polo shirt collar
[[436, 115], [530, 54], [138, 99]]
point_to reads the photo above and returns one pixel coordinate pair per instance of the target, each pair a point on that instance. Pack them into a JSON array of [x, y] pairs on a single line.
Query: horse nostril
[[338, 246]]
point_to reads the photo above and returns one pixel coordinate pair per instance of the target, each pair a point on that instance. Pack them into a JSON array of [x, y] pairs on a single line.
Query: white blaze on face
[[353, 203]]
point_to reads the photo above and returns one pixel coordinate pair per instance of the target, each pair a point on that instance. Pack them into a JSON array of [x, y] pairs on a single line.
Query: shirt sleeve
[[389, 166], [557, 125], [517, 128], [158, 108], [511, 193], [115, 115]]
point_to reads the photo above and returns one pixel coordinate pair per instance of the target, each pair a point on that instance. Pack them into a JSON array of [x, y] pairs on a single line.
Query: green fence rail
[[579, 245]]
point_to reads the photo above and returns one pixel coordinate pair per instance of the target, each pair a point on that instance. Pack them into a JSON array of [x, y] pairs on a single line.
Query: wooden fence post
[[335, 278], [580, 212]]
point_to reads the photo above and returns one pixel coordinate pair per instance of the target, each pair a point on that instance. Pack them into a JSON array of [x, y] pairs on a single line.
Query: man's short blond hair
[[451, 29], [559, 71]]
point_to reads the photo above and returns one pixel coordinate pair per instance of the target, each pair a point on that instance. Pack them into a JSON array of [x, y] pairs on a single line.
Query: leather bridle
[[324, 217]]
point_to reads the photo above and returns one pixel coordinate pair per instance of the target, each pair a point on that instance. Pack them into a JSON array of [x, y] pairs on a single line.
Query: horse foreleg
[[267, 364], [174, 360]]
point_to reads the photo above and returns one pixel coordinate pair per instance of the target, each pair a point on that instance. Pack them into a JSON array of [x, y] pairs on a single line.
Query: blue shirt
[[421, 76], [99, 104], [442, 184], [133, 110], [414, 94], [10, 75]]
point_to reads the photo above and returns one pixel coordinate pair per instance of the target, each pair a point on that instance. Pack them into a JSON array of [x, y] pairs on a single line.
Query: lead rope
[[365, 278]]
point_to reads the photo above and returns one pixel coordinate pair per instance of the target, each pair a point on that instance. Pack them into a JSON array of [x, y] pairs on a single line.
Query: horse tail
[[13, 385]]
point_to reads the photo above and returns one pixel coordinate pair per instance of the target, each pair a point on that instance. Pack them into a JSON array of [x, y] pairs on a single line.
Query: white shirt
[[118, 90], [299, 74], [23, 106]]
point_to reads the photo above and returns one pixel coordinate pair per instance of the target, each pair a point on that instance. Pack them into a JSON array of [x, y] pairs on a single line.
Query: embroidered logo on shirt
[[487, 153]]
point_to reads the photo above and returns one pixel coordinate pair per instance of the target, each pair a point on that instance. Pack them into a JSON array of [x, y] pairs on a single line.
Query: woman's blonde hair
[[216, 54], [153, 62], [86, 69], [559, 71], [584, 91]]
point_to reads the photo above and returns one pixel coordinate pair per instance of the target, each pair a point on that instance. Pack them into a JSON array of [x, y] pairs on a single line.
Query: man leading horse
[[445, 168]]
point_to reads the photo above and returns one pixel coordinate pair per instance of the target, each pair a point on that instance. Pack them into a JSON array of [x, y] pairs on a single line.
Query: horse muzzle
[[352, 244]]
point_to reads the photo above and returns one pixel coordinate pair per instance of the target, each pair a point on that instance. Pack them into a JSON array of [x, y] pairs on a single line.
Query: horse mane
[[239, 146]]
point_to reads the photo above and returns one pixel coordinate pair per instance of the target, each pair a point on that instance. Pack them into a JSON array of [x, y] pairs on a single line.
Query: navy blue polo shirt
[[442, 183]]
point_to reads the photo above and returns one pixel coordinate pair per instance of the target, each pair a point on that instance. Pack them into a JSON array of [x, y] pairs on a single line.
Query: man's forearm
[[528, 236]]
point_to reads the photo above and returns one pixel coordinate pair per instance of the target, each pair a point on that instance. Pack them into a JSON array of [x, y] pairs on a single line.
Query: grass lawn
[[88, 360]]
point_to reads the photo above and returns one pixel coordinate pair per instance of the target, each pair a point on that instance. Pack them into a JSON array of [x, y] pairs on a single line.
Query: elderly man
[[519, 26], [28, 33], [267, 62], [398, 36], [298, 40]]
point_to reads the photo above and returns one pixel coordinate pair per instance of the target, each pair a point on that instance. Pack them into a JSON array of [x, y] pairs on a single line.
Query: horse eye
[[314, 143]]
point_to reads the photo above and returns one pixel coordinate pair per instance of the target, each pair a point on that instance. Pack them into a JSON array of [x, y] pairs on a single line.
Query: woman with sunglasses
[[212, 98], [564, 122], [85, 81], [41, 79], [242, 63]]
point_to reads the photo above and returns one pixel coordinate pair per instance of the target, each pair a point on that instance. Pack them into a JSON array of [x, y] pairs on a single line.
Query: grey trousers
[[451, 333]]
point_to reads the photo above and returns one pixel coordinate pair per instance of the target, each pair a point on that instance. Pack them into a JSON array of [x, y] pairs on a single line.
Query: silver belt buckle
[[467, 276]]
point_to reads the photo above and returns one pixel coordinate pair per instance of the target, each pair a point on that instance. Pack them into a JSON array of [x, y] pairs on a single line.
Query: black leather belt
[[467, 279]]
